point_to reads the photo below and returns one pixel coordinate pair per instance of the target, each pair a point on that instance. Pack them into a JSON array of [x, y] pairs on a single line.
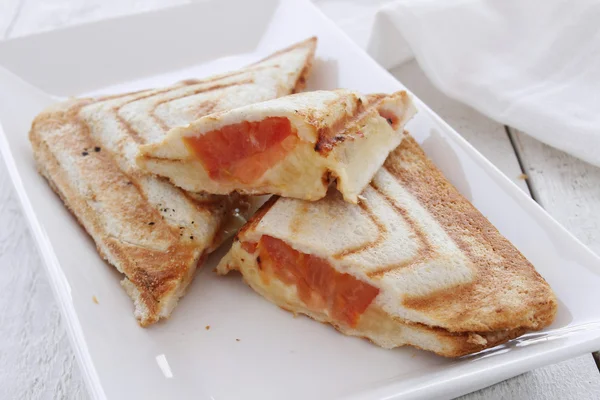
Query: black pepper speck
[[150, 223], [85, 153], [97, 149]]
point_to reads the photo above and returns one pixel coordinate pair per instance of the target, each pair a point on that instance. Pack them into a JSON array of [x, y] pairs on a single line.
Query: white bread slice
[[448, 281], [152, 232], [334, 135], [375, 325]]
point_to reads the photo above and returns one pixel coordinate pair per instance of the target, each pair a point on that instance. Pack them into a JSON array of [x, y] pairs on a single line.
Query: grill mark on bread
[[129, 179], [374, 99], [150, 274], [458, 217], [220, 86], [80, 202], [153, 276], [202, 207], [125, 124], [215, 200], [433, 191], [159, 159], [381, 234], [179, 254], [206, 108], [312, 41], [332, 134], [120, 95], [130, 131], [298, 219], [301, 81], [139, 245], [257, 217], [347, 126], [250, 68], [376, 273], [123, 177], [425, 250]]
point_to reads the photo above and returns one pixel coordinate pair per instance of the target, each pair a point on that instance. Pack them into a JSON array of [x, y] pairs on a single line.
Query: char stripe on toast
[[437, 274], [152, 232]]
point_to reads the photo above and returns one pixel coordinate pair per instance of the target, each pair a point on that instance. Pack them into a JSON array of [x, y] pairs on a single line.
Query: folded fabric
[[533, 65]]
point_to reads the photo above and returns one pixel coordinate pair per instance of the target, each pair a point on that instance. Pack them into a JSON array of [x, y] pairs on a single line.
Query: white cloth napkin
[[530, 64]]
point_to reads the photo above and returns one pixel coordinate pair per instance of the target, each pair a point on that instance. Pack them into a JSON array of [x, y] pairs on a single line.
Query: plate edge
[[53, 269], [60, 290]]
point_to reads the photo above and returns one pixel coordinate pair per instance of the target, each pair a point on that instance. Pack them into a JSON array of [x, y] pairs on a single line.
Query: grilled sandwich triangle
[[414, 263], [292, 146], [151, 231]]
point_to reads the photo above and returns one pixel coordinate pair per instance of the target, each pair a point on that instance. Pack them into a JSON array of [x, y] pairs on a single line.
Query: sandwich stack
[[362, 231]]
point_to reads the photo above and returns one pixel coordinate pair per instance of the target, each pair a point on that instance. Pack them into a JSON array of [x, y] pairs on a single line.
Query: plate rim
[[61, 288]]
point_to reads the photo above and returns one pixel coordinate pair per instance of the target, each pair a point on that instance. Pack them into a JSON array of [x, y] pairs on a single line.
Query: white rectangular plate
[[277, 356]]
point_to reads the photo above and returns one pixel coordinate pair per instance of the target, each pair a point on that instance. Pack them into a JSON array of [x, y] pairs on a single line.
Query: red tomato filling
[[249, 247], [319, 285], [243, 152]]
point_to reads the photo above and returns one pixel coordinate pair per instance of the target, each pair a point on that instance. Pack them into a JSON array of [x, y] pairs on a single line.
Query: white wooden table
[[36, 359]]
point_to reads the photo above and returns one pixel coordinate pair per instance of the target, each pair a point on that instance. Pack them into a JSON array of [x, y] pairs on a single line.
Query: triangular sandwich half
[[151, 231], [414, 263], [292, 146]]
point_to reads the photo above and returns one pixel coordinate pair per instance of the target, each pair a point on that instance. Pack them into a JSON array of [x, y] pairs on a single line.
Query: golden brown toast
[[413, 263], [293, 146], [152, 232]]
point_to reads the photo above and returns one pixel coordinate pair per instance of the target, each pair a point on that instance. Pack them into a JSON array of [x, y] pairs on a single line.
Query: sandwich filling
[[272, 267], [243, 152], [319, 286]]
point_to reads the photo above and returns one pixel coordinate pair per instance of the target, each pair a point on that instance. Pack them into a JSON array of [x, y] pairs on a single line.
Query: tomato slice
[[243, 152], [318, 284], [250, 247]]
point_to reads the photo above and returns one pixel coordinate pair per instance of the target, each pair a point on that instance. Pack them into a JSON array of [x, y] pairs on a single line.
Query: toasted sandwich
[[413, 263], [293, 146], [151, 231]]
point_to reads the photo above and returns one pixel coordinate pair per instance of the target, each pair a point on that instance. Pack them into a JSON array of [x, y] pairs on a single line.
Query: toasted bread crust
[[440, 265], [83, 147], [500, 264], [255, 219], [336, 135], [154, 273], [347, 126], [374, 325], [301, 83]]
